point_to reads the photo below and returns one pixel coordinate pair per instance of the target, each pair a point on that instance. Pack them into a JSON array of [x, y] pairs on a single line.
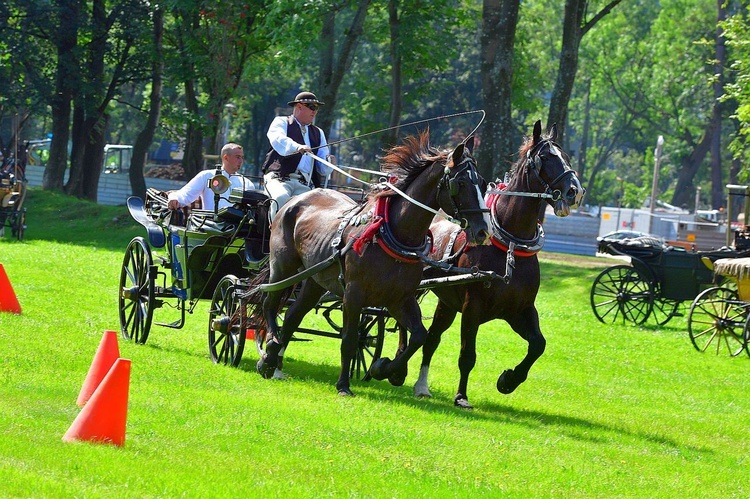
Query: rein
[[463, 223], [419, 122]]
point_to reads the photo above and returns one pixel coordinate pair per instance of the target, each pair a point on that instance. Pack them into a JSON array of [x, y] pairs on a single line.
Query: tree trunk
[[500, 18], [717, 185], [390, 138], [583, 149], [79, 133], [66, 79], [333, 68], [574, 29], [93, 159], [192, 160], [685, 189], [146, 136]]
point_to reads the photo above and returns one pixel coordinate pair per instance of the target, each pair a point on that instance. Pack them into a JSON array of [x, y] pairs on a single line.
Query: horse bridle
[[534, 163], [450, 185]]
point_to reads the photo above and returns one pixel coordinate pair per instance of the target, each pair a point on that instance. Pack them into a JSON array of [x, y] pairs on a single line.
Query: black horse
[[387, 236], [542, 171]]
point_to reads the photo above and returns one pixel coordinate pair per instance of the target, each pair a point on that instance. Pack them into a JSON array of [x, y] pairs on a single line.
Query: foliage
[[737, 33], [608, 411], [645, 70]]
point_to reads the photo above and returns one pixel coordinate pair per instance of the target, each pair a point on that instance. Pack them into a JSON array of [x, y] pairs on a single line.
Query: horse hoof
[[462, 402], [506, 383], [397, 379], [264, 369], [345, 392], [377, 368], [422, 394]]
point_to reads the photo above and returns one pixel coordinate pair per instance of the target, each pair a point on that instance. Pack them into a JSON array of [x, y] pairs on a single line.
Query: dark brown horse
[[388, 237], [542, 172]]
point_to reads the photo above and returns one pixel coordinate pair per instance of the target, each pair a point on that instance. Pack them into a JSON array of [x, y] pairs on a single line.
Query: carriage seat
[[7, 181], [246, 199]]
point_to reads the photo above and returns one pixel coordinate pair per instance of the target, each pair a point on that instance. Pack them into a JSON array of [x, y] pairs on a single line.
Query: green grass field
[[607, 411]]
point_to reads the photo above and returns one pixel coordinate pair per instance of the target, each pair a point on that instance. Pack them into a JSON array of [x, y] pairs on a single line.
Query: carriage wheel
[[717, 321], [370, 344], [621, 292], [663, 310], [226, 334], [136, 300], [746, 335], [19, 225]]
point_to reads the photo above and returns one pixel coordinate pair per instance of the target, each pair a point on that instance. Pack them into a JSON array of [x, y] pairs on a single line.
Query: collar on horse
[[506, 241], [386, 240]]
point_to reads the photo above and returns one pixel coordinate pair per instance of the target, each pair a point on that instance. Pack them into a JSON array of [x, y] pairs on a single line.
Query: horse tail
[[255, 297]]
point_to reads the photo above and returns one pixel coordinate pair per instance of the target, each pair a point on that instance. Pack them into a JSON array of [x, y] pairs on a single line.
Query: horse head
[[548, 164], [459, 193]]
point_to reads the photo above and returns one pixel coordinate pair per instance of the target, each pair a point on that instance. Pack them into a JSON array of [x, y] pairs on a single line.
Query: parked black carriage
[[658, 279], [12, 196]]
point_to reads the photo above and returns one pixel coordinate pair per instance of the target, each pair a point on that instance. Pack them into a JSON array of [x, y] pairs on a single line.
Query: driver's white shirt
[[198, 188]]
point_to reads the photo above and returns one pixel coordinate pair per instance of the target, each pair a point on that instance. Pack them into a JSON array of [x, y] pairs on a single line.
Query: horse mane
[[528, 144], [406, 161]]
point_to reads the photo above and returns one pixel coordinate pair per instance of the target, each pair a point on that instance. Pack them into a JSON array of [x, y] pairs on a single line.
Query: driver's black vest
[[284, 165]]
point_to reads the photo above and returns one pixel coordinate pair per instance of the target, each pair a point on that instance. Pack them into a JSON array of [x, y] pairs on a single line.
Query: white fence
[[114, 188]]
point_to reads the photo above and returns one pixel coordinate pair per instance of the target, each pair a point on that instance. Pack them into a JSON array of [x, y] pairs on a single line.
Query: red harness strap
[[379, 218], [502, 246]]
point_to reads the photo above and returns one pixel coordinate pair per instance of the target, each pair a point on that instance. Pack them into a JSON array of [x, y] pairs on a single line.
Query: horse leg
[[409, 316], [268, 363], [441, 321], [467, 359], [351, 311], [306, 299], [526, 325]]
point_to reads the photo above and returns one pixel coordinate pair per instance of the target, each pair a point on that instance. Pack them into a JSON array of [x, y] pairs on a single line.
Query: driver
[[232, 158]]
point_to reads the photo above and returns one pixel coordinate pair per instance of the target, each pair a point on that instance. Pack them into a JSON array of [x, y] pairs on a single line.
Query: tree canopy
[[616, 74]]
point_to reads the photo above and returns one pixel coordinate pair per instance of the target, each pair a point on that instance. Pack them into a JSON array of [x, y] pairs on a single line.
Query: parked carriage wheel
[[621, 292], [226, 335], [717, 321], [18, 226], [663, 310], [136, 297], [746, 335]]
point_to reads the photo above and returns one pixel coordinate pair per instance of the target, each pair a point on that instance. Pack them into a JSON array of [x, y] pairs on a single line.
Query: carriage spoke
[[717, 319], [226, 342], [622, 290]]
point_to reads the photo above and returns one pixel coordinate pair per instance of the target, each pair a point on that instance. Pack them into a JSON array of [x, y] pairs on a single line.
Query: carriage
[[655, 284], [12, 196], [333, 254], [184, 255], [660, 279], [191, 255], [718, 318]]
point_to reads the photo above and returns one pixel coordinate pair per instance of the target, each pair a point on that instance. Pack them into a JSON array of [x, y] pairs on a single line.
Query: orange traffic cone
[[103, 418], [8, 300], [104, 359]]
